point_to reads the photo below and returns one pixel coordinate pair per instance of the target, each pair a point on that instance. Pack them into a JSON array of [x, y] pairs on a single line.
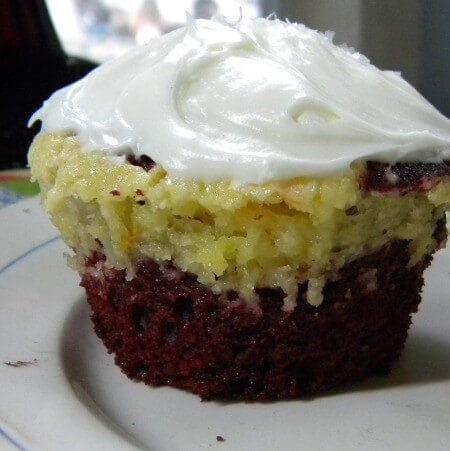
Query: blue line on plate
[[11, 440], [5, 268], [27, 253]]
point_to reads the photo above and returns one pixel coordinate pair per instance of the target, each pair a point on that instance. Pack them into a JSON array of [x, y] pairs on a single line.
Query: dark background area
[[32, 66], [411, 36]]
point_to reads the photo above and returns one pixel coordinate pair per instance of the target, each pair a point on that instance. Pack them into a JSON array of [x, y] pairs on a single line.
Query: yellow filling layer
[[233, 238]]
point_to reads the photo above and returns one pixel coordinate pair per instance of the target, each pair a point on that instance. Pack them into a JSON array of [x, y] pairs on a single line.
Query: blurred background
[[46, 44]]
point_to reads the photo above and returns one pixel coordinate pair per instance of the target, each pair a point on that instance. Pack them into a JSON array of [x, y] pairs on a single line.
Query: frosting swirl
[[252, 102]]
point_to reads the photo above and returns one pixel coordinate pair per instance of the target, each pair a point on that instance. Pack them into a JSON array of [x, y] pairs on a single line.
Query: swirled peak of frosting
[[253, 101]]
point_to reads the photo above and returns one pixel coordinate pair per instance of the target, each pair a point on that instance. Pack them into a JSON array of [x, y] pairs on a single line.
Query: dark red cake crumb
[[142, 161], [167, 330], [401, 178]]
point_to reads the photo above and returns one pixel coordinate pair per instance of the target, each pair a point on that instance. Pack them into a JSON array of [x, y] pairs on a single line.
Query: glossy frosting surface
[[255, 101]]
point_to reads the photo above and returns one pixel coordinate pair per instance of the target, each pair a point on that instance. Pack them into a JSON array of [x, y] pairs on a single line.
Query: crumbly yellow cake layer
[[232, 237]]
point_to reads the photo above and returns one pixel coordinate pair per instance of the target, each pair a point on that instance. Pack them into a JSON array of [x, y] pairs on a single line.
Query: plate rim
[[45, 238]]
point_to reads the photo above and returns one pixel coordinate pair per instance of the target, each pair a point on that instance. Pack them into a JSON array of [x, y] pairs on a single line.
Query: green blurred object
[[15, 184], [22, 187]]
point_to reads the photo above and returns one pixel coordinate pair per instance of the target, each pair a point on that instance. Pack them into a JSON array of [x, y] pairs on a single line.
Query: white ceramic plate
[[60, 390]]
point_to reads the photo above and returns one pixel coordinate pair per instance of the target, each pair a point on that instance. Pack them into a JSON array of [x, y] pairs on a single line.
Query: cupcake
[[250, 207]]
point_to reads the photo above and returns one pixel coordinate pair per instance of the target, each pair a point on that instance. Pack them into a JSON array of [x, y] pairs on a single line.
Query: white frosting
[[254, 101]]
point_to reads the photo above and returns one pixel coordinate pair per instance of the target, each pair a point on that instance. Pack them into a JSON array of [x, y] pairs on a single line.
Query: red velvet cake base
[[167, 329]]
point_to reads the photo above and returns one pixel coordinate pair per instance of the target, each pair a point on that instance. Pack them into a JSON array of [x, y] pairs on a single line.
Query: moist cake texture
[[250, 207], [276, 235], [167, 329]]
